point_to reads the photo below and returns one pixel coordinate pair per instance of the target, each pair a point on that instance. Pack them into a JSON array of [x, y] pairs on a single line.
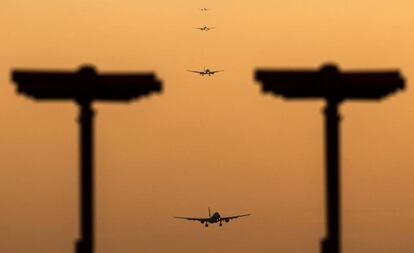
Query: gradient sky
[[206, 142]]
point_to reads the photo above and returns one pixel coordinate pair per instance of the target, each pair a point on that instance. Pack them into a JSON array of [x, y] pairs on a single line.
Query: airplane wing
[[199, 28], [190, 218], [233, 217], [195, 71], [215, 71]]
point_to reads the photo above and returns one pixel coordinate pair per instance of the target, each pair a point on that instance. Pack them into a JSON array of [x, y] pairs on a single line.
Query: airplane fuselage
[[207, 72], [214, 218]]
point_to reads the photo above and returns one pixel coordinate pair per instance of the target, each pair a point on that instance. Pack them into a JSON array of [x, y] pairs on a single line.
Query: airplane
[[205, 72], [204, 28], [212, 218], [204, 9]]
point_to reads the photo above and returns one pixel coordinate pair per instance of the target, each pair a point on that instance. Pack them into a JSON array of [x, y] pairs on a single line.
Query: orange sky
[[206, 142]]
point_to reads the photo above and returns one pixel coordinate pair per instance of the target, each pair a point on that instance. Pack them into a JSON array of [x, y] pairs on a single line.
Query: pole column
[[332, 243], [86, 117]]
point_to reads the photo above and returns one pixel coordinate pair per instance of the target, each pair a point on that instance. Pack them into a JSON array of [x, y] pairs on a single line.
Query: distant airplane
[[205, 72], [204, 28], [212, 218], [204, 9]]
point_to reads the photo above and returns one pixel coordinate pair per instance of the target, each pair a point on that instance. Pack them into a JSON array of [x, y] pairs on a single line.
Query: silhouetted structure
[[330, 84], [84, 87]]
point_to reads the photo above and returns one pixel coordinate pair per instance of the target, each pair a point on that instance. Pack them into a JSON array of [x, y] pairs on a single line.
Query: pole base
[[79, 247], [324, 245]]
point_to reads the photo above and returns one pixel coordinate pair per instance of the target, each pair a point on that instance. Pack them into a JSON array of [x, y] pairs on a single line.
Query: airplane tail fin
[[209, 213]]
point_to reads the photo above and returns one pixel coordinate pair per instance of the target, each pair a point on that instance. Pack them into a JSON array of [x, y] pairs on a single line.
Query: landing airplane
[[204, 28], [212, 218], [204, 9], [205, 72]]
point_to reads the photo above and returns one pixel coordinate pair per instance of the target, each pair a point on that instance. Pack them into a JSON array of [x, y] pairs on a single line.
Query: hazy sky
[[206, 141]]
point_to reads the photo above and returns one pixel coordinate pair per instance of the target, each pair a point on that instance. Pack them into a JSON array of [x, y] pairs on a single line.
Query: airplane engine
[[227, 220], [202, 222]]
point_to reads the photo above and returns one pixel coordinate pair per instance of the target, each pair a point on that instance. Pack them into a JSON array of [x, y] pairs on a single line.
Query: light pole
[[84, 87], [334, 87]]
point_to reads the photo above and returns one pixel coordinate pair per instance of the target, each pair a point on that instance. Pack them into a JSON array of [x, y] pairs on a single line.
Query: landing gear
[[221, 224], [206, 224]]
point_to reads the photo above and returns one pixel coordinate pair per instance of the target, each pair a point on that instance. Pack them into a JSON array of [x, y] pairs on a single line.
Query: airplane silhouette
[[204, 28], [205, 72], [212, 218], [204, 9]]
